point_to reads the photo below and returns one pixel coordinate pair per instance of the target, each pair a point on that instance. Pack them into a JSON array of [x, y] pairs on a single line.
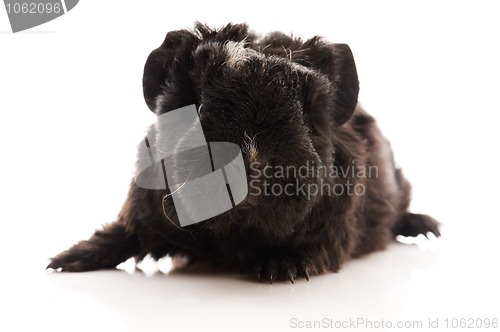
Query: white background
[[72, 112]]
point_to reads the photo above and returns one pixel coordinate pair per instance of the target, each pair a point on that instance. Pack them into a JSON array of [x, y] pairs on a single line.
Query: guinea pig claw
[[290, 277], [306, 273], [259, 269]]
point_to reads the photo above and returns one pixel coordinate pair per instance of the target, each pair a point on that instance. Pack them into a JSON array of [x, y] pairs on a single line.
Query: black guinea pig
[[288, 104]]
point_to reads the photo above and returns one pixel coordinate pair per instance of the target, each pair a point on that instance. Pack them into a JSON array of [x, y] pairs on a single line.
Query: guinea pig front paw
[[285, 268], [73, 261]]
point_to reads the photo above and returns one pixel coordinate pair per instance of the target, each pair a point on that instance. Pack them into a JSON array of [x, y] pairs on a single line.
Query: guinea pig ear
[[337, 63], [167, 72], [345, 82]]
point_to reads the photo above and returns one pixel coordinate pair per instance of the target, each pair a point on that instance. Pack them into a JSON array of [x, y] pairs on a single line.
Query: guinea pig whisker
[[264, 48], [163, 200]]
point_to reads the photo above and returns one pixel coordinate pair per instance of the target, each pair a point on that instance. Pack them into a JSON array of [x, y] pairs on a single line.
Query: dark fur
[[295, 115]]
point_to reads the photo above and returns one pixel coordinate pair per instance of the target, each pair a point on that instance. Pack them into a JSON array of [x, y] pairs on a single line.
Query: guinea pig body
[[290, 105]]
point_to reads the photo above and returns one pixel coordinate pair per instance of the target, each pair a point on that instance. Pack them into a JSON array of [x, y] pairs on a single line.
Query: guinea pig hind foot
[[410, 224]]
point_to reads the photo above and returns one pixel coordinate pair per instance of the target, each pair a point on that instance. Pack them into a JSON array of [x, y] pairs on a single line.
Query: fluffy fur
[[286, 102]]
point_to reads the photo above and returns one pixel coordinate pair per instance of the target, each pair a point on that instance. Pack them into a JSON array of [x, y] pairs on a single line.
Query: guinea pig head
[[281, 113]]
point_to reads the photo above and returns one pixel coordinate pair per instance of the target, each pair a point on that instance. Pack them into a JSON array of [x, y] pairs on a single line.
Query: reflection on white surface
[[405, 282]]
